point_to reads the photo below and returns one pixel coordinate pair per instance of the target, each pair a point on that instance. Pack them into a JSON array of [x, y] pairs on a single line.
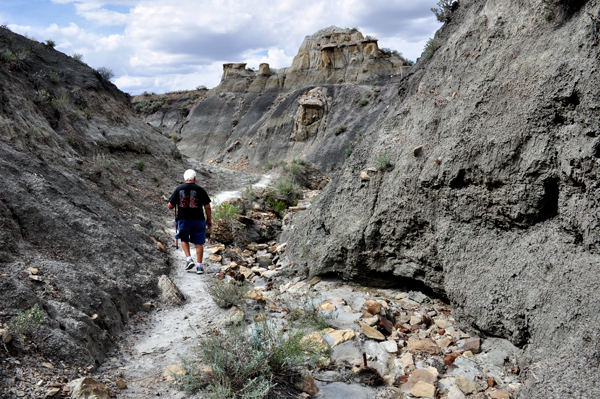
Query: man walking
[[190, 198]]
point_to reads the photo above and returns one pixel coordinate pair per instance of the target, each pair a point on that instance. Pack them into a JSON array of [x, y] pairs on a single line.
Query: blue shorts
[[193, 231]]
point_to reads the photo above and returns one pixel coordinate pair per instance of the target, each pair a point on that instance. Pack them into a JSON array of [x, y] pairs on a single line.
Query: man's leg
[[199, 252], [186, 248]]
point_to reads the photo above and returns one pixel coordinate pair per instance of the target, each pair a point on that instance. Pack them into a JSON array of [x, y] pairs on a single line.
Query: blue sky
[[164, 45]]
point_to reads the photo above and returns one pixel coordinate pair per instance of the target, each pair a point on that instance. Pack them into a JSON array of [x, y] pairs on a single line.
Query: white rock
[[456, 393], [390, 346]]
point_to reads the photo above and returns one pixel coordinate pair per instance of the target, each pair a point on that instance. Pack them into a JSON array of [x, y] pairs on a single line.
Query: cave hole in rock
[[549, 203], [459, 181], [596, 149], [388, 280]]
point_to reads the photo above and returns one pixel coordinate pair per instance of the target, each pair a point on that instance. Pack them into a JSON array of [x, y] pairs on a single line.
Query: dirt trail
[[162, 337]]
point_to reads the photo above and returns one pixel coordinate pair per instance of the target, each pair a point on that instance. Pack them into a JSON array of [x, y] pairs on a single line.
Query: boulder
[[370, 332], [170, 293], [426, 345], [88, 388]]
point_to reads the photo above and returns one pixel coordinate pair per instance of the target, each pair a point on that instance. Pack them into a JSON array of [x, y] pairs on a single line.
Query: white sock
[[190, 258], [199, 265]]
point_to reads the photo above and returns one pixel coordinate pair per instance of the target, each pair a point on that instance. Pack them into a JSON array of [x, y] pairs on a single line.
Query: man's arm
[[170, 206], [208, 216]]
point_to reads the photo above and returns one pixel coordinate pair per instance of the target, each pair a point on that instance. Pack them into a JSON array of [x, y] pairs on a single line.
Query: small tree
[[444, 12], [50, 43], [106, 73]]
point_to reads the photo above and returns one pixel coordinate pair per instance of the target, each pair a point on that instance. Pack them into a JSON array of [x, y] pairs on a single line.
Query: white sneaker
[[199, 270]]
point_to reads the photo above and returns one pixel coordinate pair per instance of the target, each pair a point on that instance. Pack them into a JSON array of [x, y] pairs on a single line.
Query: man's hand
[[209, 224]]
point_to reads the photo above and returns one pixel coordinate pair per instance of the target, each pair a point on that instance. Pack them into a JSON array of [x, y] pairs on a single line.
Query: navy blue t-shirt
[[189, 198]]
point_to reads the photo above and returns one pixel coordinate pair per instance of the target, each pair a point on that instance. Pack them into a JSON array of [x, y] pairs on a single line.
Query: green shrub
[[304, 311], [101, 162], [431, 47], [278, 206], [53, 76], [77, 56], [272, 164], [60, 101], [363, 101], [264, 362], [444, 12], [341, 129], [50, 43], [27, 321], [41, 96], [201, 87], [350, 149], [141, 165], [383, 162], [296, 169], [106, 73], [226, 295], [249, 194], [286, 187], [226, 212]]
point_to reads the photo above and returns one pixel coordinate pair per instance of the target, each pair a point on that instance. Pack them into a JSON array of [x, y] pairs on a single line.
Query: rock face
[[255, 116], [82, 178], [497, 212]]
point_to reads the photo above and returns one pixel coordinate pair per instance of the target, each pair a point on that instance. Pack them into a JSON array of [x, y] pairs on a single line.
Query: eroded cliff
[[481, 184], [82, 178], [337, 79]]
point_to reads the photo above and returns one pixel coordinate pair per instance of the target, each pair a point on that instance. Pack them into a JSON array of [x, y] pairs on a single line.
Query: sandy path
[[172, 330]]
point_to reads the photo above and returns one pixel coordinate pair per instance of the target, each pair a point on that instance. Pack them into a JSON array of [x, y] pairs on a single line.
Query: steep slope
[[492, 201], [82, 178], [254, 116]]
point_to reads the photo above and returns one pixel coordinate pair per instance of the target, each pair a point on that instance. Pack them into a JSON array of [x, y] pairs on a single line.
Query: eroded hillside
[[480, 184], [336, 87], [82, 178]]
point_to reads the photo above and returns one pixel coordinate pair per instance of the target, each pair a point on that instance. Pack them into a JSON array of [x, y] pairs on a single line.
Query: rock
[[444, 342], [327, 306], [246, 272], [214, 250], [441, 323], [315, 342], [5, 335], [426, 345], [417, 150], [48, 365], [173, 370], [53, 391], [499, 394], [146, 306], [32, 270], [234, 317], [372, 306], [423, 389], [473, 345], [371, 321], [221, 231], [468, 354], [313, 281], [215, 258], [407, 360], [456, 393], [390, 346], [269, 273], [340, 336], [281, 248], [88, 388], [416, 319], [170, 292], [308, 385], [121, 384], [417, 296], [264, 260], [466, 385], [364, 176], [370, 332]]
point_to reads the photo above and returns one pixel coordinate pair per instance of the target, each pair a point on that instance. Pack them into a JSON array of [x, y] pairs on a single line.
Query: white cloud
[[165, 45]]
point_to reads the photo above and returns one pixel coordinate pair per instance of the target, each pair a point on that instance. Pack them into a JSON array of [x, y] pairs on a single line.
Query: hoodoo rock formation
[[285, 113]]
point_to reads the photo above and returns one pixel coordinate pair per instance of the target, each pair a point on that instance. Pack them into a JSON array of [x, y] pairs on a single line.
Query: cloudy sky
[[164, 45]]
